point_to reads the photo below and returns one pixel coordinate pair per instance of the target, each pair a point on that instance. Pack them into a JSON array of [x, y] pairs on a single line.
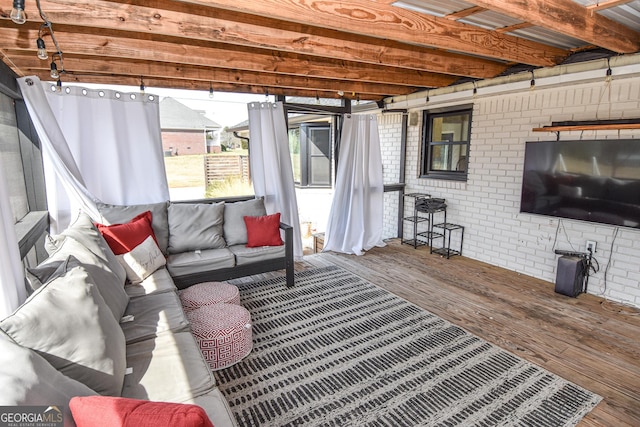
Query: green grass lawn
[[188, 171], [185, 171]]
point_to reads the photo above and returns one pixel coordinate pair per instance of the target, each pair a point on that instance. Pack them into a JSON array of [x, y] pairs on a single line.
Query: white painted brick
[[488, 203]]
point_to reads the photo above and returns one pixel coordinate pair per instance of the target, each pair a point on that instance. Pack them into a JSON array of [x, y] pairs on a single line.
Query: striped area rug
[[336, 350]]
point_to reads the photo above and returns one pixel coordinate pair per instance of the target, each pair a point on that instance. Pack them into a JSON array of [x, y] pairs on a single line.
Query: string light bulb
[[42, 50], [59, 85], [54, 70], [141, 85], [210, 91], [18, 16]]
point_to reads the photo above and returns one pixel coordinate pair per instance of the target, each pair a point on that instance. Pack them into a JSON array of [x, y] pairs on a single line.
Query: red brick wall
[[183, 142]]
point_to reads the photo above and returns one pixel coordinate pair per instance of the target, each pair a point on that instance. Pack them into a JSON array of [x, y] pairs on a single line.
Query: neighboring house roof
[[177, 116]]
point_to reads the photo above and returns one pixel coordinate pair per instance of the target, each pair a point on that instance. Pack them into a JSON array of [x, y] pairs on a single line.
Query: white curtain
[[98, 145], [356, 215], [12, 289], [271, 169]]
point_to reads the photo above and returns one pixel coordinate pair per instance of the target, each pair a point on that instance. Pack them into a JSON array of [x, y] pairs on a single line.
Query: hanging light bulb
[[141, 85], [54, 70], [59, 85], [42, 50], [210, 91], [17, 13]]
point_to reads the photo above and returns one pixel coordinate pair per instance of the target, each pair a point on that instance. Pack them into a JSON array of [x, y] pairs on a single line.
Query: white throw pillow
[[142, 261]]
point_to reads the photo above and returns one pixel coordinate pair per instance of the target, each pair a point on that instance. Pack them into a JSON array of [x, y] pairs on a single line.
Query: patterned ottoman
[[223, 332], [208, 293]]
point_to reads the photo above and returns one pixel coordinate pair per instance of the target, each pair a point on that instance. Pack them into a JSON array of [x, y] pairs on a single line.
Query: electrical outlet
[[591, 246]]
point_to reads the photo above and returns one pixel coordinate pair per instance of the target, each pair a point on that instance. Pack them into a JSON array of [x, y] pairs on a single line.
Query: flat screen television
[[596, 180]]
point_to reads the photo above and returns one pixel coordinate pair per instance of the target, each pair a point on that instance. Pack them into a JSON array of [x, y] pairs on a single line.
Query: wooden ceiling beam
[[514, 27], [117, 45], [219, 26], [367, 18], [572, 19], [606, 4], [79, 78], [464, 13], [161, 70]]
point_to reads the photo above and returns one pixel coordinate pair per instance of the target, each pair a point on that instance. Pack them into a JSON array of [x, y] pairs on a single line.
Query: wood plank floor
[[586, 340]]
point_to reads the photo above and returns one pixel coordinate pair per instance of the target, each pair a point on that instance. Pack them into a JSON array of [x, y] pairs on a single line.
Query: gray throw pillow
[[67, 322], [109, 284], [235, 230], [85, 232], [116, 214], [194, 226], [26, 379]]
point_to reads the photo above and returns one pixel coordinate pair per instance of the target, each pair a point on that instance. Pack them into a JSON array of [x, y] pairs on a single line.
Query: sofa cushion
[[199, 261], [109, 284], [195, 226], [104, 411], [142, 261], [217, 408], [123, 238], [27, 379], [68, 323], [245, 255], [117, 214], [263, 230], [158, 282], [85, 232], [153, 315], [169, 368], [235, 230]]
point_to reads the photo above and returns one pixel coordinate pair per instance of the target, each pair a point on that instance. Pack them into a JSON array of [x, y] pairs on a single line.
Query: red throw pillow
[[122, 238], [263, 230], [106, 411]]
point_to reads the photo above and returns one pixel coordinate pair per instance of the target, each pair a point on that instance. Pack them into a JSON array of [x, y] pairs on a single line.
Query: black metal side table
[[447, 228], [430, 207], [415, 219]]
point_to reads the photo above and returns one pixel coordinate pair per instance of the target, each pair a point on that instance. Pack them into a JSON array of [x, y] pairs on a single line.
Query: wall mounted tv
[[595, 180]]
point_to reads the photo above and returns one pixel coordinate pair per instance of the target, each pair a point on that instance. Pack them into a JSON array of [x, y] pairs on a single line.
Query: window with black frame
[[445, 144]]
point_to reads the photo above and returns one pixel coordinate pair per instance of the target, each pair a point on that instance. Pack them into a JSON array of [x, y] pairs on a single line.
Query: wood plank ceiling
[[364, 49]]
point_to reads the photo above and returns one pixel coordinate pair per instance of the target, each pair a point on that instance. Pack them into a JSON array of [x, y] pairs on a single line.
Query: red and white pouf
[[208, 293], [223, 332]]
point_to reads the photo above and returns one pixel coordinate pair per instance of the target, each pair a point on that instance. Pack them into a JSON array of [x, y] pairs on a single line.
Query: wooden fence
[[219, 167]]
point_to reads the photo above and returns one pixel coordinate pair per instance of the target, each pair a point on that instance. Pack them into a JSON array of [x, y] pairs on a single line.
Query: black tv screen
[[595, 181]]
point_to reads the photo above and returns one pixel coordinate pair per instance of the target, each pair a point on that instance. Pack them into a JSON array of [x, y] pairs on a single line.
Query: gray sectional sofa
[[185, 232], [86, 330]]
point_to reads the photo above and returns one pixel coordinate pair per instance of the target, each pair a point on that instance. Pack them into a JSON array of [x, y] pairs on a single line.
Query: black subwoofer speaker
[[570, 275]]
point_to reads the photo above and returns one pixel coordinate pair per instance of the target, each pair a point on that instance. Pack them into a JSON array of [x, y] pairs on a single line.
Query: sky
[[226, 109]]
